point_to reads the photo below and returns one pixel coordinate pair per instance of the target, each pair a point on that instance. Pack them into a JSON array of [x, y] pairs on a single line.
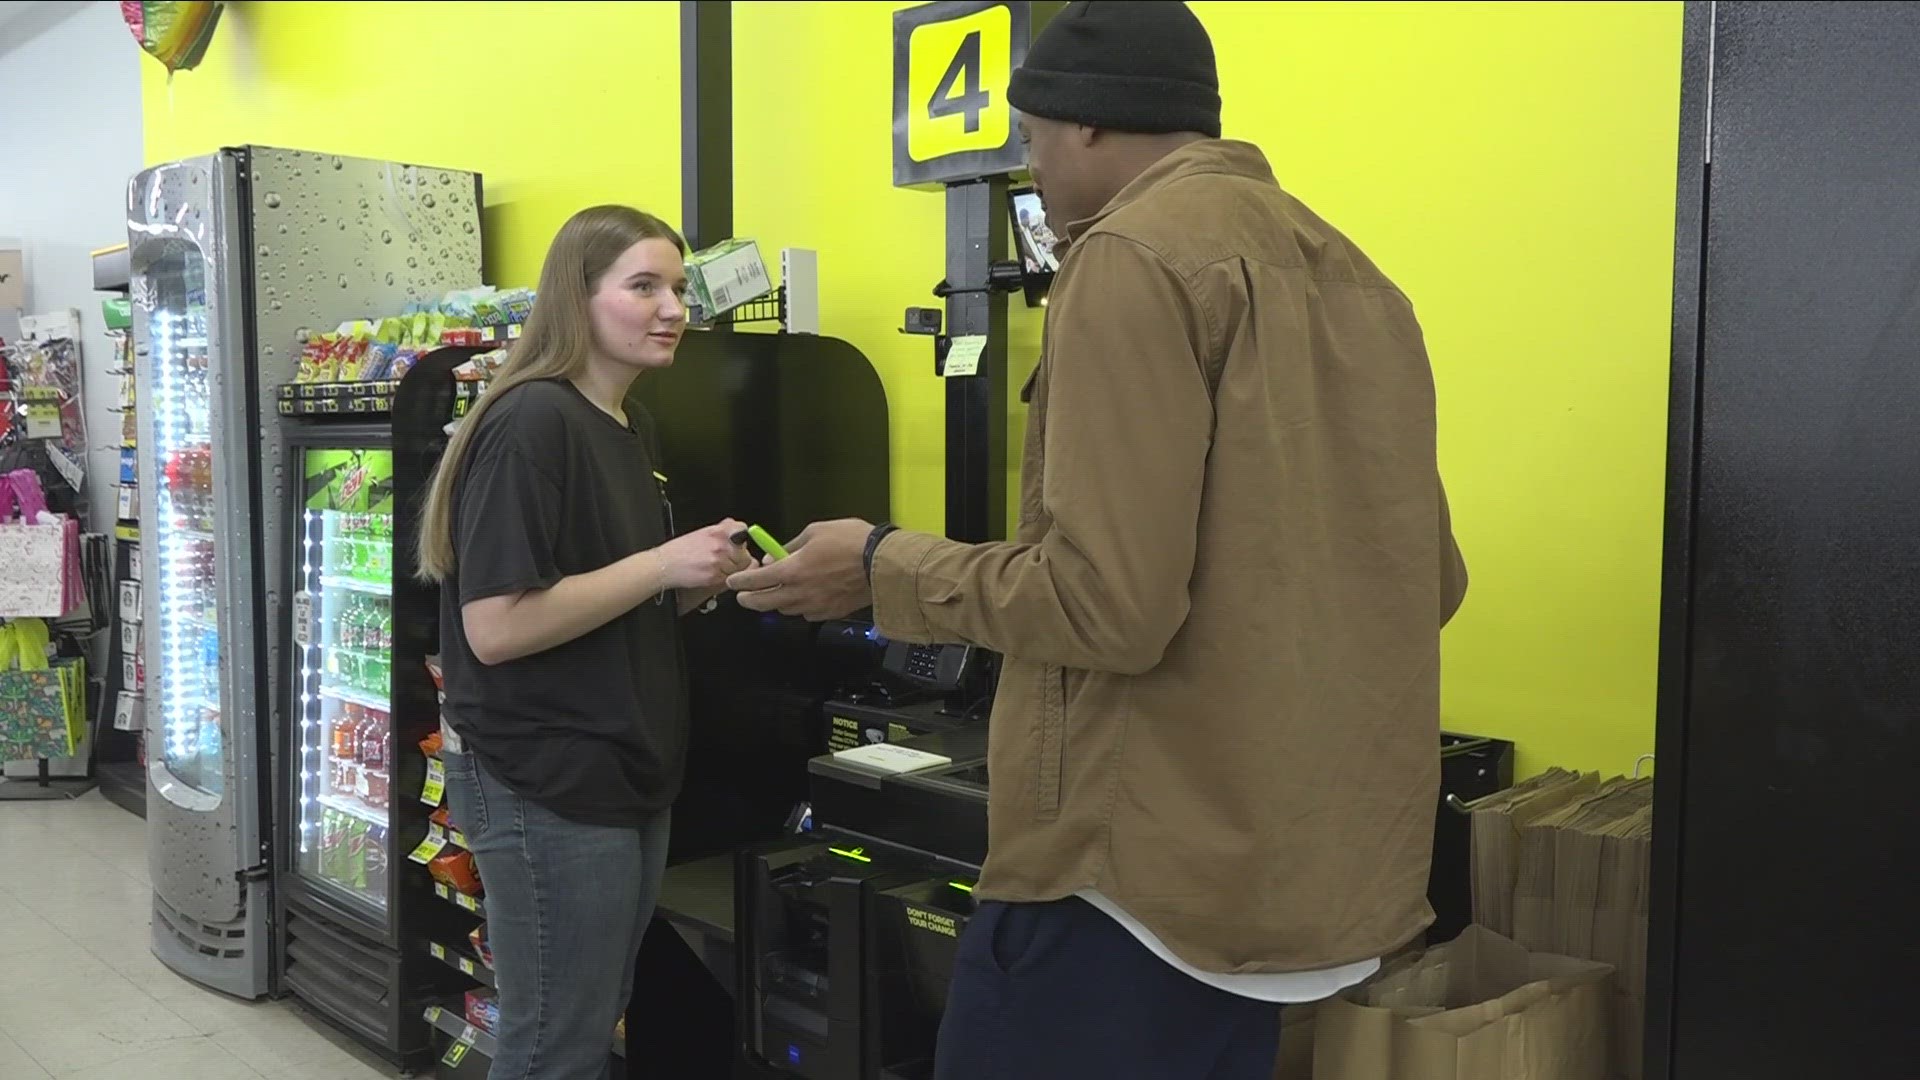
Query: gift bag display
[[1480, 1007], [42, 704], [39, 552]]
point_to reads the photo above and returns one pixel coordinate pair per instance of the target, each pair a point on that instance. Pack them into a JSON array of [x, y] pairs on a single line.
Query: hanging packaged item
[[40, 572], [42, 703]]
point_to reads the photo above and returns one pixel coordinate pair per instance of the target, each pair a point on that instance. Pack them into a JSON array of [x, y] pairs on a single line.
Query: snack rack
[[470, 1021]]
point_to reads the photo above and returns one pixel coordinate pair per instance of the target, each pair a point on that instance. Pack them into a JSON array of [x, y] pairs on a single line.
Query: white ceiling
[[22, 20]]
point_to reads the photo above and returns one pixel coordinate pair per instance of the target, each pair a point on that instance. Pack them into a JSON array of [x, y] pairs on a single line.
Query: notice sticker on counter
[[963, 356]]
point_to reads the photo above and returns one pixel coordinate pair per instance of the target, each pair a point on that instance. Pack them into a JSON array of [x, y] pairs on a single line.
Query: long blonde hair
[[556, 344]]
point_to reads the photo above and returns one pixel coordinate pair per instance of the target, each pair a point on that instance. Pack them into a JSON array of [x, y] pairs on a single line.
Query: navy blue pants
[[1059, 991]]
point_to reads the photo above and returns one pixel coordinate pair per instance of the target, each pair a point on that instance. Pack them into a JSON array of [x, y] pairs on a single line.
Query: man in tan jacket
[[1215, 747]]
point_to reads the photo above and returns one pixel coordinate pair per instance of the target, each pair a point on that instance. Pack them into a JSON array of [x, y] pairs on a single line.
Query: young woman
[[565, 721]]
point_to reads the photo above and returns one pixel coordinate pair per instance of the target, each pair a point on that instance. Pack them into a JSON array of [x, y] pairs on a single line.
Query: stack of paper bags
[[1561, 864], [1481, 1007]]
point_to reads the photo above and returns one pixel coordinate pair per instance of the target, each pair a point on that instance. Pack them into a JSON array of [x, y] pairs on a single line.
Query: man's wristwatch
[[879, 533]]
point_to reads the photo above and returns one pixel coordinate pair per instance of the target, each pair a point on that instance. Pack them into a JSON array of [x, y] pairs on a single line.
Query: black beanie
[[1134, 65]]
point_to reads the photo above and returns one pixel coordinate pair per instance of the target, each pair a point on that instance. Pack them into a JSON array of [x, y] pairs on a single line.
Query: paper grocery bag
[[1296, 1043], [1480, 1007], [1496, 824]]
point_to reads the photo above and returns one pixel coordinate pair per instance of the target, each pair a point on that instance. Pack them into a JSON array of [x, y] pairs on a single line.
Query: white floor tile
[[15, 1064], [23, 931], [190, 1059], [69, 1039], [282, 1041], [81, 995]]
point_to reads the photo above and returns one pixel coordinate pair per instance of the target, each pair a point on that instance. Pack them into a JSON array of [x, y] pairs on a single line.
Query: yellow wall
[[1510, 164], [558, 106]]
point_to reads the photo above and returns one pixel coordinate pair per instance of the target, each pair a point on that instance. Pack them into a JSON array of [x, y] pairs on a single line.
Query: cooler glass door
[[343, 641]]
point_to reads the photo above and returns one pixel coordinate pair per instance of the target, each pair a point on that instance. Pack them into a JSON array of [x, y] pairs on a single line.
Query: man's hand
[[824, 575]]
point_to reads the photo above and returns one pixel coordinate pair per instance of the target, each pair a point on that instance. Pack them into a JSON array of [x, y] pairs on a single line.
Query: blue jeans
[[1042, 991], [567, 904]]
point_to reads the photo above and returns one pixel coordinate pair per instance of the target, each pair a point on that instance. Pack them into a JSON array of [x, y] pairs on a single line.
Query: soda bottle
[[362, 549], [330, 837], [336, 534], [373, 738], [386, 629], [352, 638], [377, 863]]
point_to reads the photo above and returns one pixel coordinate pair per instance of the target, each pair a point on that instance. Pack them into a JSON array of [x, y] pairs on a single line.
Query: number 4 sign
[[951, 64]]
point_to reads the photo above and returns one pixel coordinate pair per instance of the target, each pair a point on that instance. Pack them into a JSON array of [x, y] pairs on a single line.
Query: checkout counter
[[841, 937]]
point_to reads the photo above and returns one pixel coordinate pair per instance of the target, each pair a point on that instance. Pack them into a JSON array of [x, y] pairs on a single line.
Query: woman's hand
[[701, 560]]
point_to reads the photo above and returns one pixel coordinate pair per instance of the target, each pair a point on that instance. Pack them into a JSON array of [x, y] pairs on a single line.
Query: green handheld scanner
[[765, 542]]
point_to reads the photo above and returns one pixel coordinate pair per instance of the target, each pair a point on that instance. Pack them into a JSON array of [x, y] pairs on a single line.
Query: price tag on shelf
[[303, 619], [466, 966], [435, 788], [458, 899], [434, 1013], [459, 839], [438, 950], [434, 844], [126, 711], [456, 1054], [469, 1033]]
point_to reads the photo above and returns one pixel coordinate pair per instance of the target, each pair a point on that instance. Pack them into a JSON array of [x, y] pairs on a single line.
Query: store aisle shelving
[[82, 998]]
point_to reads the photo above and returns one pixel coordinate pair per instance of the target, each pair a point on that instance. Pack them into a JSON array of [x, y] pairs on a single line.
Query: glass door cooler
[[342, 742], [359, 798], [237, 258]]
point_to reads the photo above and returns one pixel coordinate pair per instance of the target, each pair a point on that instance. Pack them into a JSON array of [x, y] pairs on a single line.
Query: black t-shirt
[[594, 729]]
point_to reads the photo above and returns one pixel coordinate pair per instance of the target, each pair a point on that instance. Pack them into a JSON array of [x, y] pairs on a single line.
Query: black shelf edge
[[472, 905], [463, 962]]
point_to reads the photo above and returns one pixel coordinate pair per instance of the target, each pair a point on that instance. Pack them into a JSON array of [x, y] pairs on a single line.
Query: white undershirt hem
[[1289, 987]]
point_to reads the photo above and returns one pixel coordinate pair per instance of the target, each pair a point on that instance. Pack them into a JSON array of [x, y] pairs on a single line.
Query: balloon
[[176, 34]]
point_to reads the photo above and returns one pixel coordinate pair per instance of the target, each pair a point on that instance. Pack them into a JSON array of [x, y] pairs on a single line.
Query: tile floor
[[82, 998]]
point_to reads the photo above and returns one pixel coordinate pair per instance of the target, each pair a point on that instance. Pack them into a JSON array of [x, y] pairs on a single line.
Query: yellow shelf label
[[435, 788], [434, 844]]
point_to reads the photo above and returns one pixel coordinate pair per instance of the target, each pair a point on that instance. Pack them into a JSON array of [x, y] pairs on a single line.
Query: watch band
[[879, 533]]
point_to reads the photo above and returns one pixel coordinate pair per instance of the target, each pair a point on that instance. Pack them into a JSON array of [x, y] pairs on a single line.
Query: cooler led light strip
[[309, 780], [167, 406]]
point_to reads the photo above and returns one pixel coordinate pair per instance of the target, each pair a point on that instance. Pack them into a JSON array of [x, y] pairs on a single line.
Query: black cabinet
[[1783, 938]]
